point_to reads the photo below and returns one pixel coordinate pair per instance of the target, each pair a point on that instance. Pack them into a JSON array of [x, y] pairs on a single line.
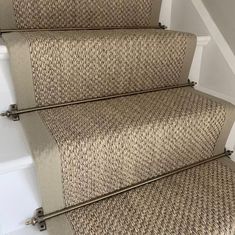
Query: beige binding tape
[[156, 8], [7, 17], [20, 63], [228, 123]]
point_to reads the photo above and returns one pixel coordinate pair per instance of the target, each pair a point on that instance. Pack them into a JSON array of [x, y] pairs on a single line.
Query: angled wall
[[223, 13]]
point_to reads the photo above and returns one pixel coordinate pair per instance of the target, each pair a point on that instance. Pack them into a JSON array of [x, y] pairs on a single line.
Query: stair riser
[[19, 198]]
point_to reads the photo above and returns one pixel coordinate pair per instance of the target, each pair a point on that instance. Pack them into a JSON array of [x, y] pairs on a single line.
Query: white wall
[[185, 18], [216, 74], [223, 13]]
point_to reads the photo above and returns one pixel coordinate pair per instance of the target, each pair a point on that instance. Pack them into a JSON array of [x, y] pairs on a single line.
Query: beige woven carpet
[[84, 151], [199, 201], [68, 66], [75, 65], [111, 144], [27, 14]]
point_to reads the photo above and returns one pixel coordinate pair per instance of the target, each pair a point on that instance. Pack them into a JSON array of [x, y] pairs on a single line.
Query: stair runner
[[88, 150]]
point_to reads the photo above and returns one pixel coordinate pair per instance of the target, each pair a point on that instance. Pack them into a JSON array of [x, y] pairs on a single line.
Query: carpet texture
[[199, 201], [69, 66], [87, 150], [53, 14], [111, 144]]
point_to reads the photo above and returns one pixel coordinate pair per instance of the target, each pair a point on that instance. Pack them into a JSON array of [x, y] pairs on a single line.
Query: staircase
[[113, 124]]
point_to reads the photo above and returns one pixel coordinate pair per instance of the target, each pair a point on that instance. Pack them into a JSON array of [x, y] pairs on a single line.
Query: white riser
[[18, 199], [27, 231]]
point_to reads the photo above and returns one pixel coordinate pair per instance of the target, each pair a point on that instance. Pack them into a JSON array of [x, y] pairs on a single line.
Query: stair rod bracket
[[162, 26], [14, 113], [40, 218]]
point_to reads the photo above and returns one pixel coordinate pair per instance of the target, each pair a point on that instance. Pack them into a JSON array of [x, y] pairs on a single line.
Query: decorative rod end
[[161, 26], [5, 114], [38, 220], [33, 221], [12, 113], [229, 153]]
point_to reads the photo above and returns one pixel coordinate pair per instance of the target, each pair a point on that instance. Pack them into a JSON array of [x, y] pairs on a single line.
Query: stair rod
[[13, 113], [40, 219], [161, 26]]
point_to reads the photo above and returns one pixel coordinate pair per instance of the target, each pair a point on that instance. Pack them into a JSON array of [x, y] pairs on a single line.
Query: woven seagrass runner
[[54, 14], [87, 150], [198, 201]]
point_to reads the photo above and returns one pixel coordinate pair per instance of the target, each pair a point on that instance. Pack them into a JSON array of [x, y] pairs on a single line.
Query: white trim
[[165, 14], [3, 50], [203, 40], [28, 231], [195, 70], [16, 165], [215, 33]]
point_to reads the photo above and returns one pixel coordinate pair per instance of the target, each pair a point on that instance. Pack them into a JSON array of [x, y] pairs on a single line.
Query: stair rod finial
[[11, 113], [37, 220], [5, 114], [32, 221], [229, 153]]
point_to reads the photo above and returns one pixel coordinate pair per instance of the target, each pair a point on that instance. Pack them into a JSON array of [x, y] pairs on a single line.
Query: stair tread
[[106, 145], [76, 65], [53, 14], [197, 201], [15, 158], [88, 150]]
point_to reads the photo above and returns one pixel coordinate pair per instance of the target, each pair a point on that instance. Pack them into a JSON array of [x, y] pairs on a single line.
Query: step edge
[[23, 230], [16, 165], [201, 41], [27, 161], [3, 50]]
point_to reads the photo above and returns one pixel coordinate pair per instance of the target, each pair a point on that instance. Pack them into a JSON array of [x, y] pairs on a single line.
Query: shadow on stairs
[[66, 58]]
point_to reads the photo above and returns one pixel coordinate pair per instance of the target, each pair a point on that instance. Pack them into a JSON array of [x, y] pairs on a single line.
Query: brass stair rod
[[78, 28], [41, 218], [14, 113]]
